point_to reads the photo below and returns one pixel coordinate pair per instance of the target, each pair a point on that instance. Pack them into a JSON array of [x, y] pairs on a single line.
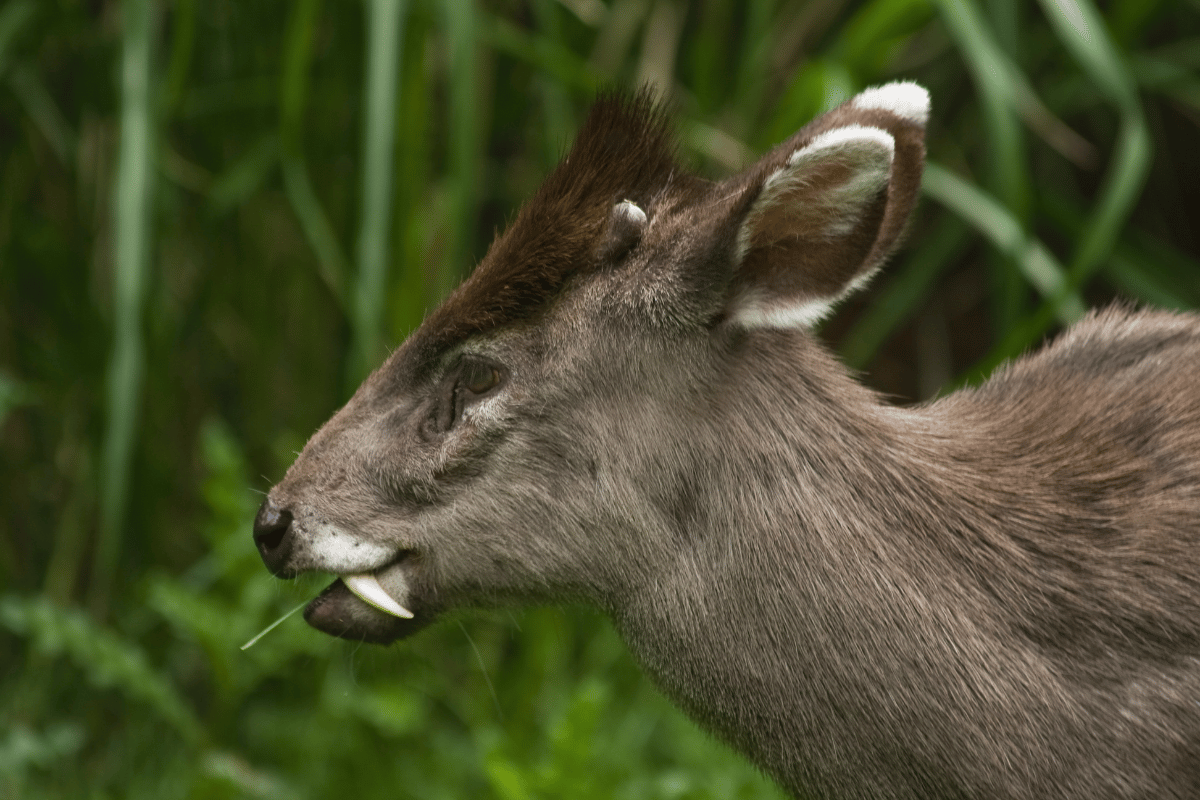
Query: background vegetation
[[216, 216]]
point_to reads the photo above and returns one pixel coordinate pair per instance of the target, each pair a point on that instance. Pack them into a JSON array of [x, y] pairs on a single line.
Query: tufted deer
[[994, 595]]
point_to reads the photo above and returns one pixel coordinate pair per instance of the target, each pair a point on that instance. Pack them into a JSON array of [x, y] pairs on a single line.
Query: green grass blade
[[660, 46], [21, 747], [1183, 53], [616, 36], [297, 58], [14, 17], [991, 69], [249, 780], [817, 86], [293, 97], [1122, 187], [753, 64], [1126, 269], [13, 394], [1003, 84], [872, 38], [183, 44], [904, 291], [1182, 90], [244, 176], [71, 531], [991, 219], [331, 261], [1082, 29], [274, 625], [412, 289], [556, 105], [1008, 176], [465, 127], [548, 55], [715, 145], [1152, 71], [27, 85], [131, 265], [707, 50], [385, 37], [1139, 265]]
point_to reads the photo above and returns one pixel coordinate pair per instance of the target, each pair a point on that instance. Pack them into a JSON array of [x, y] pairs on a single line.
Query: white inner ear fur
[[863, 141], [757, 311], [903, 98], [837, 208]]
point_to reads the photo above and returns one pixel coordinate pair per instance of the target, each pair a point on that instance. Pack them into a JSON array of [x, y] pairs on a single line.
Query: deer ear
[[826, 207]]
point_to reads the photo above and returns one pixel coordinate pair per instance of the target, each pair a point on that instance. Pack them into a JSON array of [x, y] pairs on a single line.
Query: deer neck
[[787, 621]]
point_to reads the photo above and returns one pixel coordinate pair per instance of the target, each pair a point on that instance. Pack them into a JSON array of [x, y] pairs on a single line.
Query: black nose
[[273, 535]]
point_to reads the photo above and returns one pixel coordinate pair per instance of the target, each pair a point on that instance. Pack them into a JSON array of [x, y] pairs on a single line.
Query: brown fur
[[624, 151], [996, 595]]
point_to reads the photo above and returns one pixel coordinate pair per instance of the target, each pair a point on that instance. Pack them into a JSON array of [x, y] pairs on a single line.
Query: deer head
[[530, 440]]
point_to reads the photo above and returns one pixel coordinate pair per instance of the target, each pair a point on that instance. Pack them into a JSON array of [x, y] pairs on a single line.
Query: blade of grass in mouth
[[273, 625]]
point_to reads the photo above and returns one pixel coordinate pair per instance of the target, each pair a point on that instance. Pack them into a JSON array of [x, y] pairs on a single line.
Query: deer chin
[[368, 607]]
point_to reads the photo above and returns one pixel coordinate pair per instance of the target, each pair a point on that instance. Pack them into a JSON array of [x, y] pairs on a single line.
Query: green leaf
[[24, 747], [107, 660]]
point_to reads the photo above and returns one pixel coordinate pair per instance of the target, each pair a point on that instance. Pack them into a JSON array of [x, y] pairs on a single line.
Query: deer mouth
[[369, 606], [367, 588]]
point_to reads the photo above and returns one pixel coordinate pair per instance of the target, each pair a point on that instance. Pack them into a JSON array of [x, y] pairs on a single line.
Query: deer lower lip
[[339, 611]]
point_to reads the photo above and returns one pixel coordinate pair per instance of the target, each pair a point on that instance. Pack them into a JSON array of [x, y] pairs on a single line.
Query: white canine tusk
[[367, 588]]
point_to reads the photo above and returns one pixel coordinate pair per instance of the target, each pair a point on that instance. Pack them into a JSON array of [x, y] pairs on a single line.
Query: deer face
[[526, 442]]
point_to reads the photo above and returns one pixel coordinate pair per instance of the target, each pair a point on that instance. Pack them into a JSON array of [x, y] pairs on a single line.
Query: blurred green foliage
[[216, 216]]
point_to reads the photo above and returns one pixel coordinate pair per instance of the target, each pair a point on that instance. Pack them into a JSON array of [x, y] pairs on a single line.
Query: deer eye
[[479, 377], [473, 379], [470, 379]]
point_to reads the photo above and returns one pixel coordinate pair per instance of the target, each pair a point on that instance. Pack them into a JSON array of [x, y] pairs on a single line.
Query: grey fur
[[996, 595]]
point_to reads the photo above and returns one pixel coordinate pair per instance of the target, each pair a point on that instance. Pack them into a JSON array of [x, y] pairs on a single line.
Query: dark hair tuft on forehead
[[623, 151]]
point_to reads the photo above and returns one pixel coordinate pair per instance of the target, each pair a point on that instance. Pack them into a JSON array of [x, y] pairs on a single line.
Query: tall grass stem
[[134, 192], [385, 37]]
